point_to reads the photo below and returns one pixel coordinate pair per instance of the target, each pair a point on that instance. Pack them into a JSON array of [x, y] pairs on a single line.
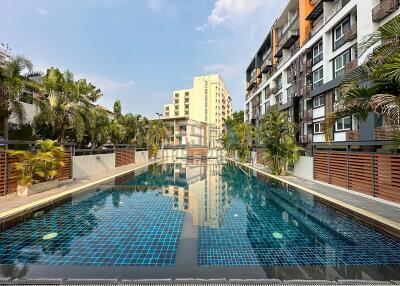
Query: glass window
[[318, 77], [290, 93], [317, 53], [338, 33], [318, 128], [280, 98], [279, 82], [340, 62], [343, 124], [318, 101]]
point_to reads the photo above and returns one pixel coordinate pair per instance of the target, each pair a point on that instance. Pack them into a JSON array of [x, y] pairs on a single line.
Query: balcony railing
[[317, 27], [307, 116], [351, 34], [384, 9], [350, 66], [331, 13], [290, 22], [386, 132], [352, 135], [305, 139]]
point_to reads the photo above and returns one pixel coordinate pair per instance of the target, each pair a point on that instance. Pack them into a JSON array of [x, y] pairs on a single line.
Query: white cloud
[[107, 85], [42, 11], [154, 4], [233, 10], [209, 42], [201, 28]]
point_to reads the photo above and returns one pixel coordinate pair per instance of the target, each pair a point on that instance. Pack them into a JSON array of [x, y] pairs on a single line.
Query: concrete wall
[[304, 168], [141, 156], [84, 166]]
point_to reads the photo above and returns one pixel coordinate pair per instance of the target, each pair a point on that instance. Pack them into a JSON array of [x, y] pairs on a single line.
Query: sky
[[140, 51]]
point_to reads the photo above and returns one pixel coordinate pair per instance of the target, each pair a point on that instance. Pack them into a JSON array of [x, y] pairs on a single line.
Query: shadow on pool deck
[[382, 214]]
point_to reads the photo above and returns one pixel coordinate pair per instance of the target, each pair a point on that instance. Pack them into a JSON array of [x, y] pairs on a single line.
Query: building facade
[[207, 101], [301, 62]]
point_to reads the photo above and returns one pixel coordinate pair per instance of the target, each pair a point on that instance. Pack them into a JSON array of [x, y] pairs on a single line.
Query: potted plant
[[37, 171]]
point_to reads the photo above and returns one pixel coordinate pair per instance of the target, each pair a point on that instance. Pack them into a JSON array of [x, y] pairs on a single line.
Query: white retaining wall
[[304, 167], [87, 165], [141, 156]]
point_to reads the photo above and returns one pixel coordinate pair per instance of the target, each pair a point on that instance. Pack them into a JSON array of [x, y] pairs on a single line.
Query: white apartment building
[[305, 55]]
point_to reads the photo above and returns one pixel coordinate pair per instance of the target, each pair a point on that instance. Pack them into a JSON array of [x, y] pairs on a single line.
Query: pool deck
[[13, 205], [382, 214]]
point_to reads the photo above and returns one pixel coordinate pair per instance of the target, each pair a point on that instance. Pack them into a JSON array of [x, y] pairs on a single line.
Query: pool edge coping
[[375, 218], [10, 214]]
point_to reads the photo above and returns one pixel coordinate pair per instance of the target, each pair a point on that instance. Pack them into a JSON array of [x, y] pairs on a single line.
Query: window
[[279, 82], [318, 128], [318, 101], [290, 93], [343, 124], [338, 33], [26, 97], [280, 98], [340, 62], [289, 73], [318, 77], [317, 53]]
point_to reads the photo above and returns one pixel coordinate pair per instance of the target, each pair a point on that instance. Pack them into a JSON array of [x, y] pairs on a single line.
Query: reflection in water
[[241, 221]]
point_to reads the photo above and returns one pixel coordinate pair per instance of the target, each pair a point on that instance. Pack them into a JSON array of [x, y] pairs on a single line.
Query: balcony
[[386, 132], [384, 9], [332, 12], [350, 66], [307, 116], [290, 22], [351, 34], [307, 89], [305, 139], [316, 28], [287, 42], [317, 11], [352, 135]]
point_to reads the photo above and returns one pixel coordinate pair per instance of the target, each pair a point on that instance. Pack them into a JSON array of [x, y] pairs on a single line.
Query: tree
[[373, 86], [16, 76], [277, 136], [66, 105], [235, 119], [156, 133], [245, 134]]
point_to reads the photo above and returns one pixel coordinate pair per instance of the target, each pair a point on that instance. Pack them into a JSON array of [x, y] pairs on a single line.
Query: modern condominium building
[[301, 62], [207, 101]]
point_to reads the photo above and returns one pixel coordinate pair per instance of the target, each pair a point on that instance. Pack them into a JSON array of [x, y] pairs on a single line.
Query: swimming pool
[[195, 220]]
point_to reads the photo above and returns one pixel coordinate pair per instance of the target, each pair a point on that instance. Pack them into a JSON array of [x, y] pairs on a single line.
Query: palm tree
[[16, 76], [277, 136], [373, 86], [67, 104], [156, 133], [245, 134]]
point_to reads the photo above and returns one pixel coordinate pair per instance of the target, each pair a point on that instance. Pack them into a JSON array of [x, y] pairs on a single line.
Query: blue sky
[[139, 51]]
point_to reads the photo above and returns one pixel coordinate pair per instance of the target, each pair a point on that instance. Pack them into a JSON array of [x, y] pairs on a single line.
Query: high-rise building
[[300, 64], [207, 101]]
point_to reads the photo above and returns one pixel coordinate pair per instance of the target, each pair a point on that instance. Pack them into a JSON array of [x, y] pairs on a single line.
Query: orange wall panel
[[305, 8]]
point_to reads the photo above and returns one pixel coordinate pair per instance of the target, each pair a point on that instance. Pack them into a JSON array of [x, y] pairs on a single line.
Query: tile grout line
[[362, 212], [6, 214]]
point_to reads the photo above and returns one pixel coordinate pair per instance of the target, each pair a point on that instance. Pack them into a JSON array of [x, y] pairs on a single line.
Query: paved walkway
[[383, 214], [12, 205]]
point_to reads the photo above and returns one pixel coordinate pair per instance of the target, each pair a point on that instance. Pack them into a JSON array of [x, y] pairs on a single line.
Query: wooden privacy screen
[[124, 157], [196, 152], [8, 182], [369, 173], [65, 172]]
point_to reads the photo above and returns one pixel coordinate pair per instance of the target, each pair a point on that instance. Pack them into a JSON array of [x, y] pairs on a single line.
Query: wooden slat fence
[[368, 173], [124, 156], [65, 172]]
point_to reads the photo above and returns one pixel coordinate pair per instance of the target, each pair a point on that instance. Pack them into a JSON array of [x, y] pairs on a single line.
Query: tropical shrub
[[245, 134], [39, 166], [277, 136], [156, 133]]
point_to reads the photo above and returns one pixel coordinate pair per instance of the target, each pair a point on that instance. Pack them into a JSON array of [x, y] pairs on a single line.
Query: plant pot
[[37, 188]]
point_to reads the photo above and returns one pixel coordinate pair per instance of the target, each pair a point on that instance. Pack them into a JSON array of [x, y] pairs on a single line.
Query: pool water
[[233, 219]]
